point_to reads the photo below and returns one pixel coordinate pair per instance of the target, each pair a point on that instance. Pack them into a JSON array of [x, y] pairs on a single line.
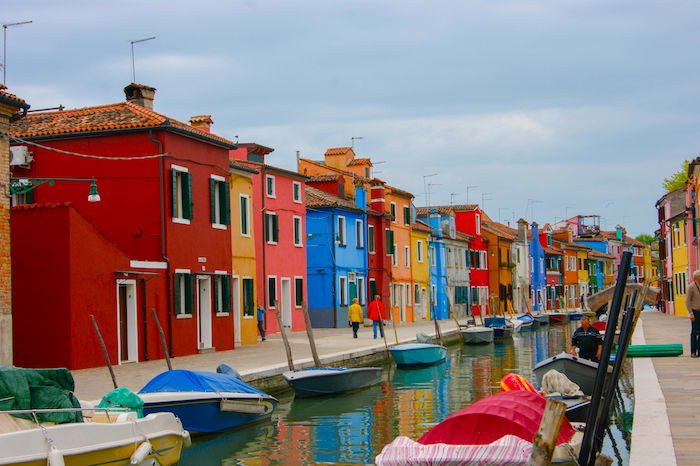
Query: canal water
[[353, 428]]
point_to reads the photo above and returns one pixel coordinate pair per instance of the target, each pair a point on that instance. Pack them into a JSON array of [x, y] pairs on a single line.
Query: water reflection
[[355, 427]]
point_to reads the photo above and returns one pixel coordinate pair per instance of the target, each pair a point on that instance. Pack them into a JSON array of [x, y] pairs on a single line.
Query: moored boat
[[558, 317], [582, 372], [477, 335], [418, 354], [331, 380], [526, 321], [541, 319], [575, 315], [206, 402], [502, 328]]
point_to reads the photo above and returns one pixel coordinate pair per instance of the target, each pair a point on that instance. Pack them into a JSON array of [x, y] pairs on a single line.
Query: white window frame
[[433, 256], [392, 212], [246, 213], [419, 251], [433, 288], [296, 186], [300, 244], [220, 184], [271, 305], [179, 273], [274, 187], [370, 232], [267, 228], [407, 293], [478, 224], [342, 290], [361, 290], [294, 281], [342, 232], [180, 200], [394, 260], [359, 233], [407, 253]]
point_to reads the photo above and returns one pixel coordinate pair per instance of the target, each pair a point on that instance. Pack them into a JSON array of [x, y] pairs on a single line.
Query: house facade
[[457, 261], [420, 270], [538, 275], [501, 262], [520, 251], [441, 226], [671, 210]]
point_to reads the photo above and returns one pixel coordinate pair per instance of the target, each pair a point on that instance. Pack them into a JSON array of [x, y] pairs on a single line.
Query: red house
[[279, 201], [468, 220], [163, 219]]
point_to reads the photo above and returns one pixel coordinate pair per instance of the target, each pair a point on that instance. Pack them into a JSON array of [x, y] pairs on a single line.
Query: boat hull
[[418, 354], [580, 371], [213, 413], [478, 335], [319, 382], [541, 319], [558, 318]]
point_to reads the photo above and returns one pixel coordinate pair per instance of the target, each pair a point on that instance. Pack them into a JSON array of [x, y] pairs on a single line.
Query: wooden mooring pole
[[162, 339], [548, 433], [287, 348], [104, 351], [310, 335]]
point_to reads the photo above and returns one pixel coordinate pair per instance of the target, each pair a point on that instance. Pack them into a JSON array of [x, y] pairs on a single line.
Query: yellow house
[[420, 270], [583, 283], [679, 249], [609, 273], [243, 294], [648, 268]]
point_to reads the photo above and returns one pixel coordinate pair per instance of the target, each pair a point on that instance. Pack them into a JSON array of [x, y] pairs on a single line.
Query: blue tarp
[[194, 381]]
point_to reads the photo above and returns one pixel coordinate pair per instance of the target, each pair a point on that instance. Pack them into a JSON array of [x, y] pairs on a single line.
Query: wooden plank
[[310, 335], [162, 339], [287, 348], [548, 433]]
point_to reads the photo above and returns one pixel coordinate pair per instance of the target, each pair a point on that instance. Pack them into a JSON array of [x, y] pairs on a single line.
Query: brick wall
[[5, 263]]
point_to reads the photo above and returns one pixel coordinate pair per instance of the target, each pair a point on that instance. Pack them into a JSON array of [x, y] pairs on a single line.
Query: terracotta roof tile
[[363, 161], [57, 205], [338, 150], [446, 209], [263, 166], [324, 178], [601, 255], [110, 117], [317, 198], [9, 95], [503, 231], [421, 226]]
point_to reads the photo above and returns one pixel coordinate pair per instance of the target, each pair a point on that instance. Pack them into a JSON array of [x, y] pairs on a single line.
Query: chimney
[[522, 230], [202, 122], [434, 222], [140, 95], [377, 202]]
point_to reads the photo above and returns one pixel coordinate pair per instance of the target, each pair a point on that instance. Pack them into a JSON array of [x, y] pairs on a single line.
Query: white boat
[[104, 438], [477, 335]]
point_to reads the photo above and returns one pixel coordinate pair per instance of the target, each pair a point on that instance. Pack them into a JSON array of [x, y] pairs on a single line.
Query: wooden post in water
[[393, 324], [386, 345], [162, 339], [310, 335], [287, 348], [548, 433], [104, 350]]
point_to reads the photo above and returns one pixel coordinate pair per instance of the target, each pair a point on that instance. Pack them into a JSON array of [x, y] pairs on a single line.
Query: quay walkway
[[667, 396], [263, 361]]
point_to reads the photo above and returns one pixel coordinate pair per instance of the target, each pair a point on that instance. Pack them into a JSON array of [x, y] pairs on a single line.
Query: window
[[419, 251], [394, 260], [361, 290], [359, 234], [340, 235], [245, 215], [393, 212], [298, 291], [248, 297], [517, 251], [372, 289], [181, 192], [219, 207], [406, 215], [222, 293], [296, 192], [478, 224], [296, 221], [271, 291], [343, 290], [389, 238], [183, 293], [270, 186], [370, 238], [366, 172], [461, 295], [433, 294], [407, 289], [431, 253], [271, 228], [407, 254], [566, 264], [416, 294], [25, 197]]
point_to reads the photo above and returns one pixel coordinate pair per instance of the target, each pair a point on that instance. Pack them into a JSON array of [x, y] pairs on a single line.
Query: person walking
[[692, 303], [375, 314], [355, 316], [261, 321], [588, 340]]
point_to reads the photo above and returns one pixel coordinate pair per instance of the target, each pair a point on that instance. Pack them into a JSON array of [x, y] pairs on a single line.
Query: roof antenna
[[133, 66], [353, 139]]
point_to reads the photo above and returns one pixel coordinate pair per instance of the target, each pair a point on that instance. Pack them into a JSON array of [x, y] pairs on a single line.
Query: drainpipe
[[163, 242], [144, 313], [695, 230], [334, 270], [263, 195]]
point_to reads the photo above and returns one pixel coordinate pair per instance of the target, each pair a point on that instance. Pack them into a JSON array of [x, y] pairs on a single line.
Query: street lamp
[[4, 47], [133, 66], [26, 185]]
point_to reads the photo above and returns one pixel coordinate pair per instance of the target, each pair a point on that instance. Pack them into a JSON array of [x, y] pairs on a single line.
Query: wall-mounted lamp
[[26, 185]]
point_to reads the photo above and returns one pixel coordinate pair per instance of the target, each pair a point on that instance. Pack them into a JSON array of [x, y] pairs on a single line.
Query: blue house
[[538, 273], [437, 254], [336, 258]]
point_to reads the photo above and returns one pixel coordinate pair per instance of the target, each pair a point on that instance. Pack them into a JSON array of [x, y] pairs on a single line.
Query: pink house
[[279, 214]]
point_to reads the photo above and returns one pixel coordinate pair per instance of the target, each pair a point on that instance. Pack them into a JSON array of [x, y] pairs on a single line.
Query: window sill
[[219, 226], [298, 245], [222, 314], [245, 235], [272, 243], [297, 307], [248, 317], [183, 316], [181, 221], [271, 196], [297, 201]]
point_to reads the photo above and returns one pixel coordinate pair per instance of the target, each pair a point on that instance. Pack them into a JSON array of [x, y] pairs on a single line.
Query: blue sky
[[583, 105]]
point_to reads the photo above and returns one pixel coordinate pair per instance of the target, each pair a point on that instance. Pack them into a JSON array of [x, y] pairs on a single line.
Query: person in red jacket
[[376, 314]]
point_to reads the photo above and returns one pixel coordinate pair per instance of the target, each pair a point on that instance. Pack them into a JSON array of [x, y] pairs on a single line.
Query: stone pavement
[[266, 358], [679, 380]]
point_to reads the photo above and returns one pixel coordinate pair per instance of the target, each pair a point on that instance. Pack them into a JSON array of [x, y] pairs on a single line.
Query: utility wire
[[88, 156]]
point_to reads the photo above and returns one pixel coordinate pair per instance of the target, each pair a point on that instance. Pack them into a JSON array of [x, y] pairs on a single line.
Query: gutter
[[263, 195]]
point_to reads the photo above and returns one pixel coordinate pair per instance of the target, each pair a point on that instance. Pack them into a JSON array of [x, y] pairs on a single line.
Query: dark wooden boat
[[580, 371], [331, 380]]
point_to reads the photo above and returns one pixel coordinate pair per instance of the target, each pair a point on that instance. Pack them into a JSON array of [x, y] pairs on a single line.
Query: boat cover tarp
[[506, 451], [556, 382], [516, 413], [39, 389], [122, 397], [195, 381]]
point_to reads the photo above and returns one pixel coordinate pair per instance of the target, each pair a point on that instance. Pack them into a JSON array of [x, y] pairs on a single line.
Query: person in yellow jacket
[[355, 316]]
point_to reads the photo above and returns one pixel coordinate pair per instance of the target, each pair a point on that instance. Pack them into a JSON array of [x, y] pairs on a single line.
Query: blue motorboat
[[575, 315], [207, 402], [526, 322], [319, 381], [418, 354], [501, 327]]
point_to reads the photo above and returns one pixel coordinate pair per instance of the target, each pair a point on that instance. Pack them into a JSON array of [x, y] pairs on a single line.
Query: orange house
[[570, 276], [500, 238]]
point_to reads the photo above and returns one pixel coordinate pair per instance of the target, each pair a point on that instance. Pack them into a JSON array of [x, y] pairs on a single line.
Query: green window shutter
[[217, 285], [177, 279], [187, 195], [226, 292], [225, 203], [275, 229], [189, 294], [173, 191], [212, 199]]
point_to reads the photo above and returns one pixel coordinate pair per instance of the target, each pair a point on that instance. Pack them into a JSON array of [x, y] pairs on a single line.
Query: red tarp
[[516, 413]]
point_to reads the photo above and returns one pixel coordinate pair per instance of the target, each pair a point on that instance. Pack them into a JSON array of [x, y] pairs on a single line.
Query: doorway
[[402, 303], [286, 295], [424, 303], [127, 326], [236, 298], [204, 312]]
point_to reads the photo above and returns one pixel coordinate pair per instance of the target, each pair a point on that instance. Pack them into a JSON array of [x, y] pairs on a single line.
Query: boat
[[317, 381], [541, 319], [575, 315], [477, 335], [502, 328], [526, 321], [207, 402], [418, 354], [104, 437], [582, 372], [558, 317]]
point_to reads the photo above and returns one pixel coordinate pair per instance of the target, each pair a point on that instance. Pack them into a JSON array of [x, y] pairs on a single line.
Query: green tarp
[[39, 389], [122, 398]]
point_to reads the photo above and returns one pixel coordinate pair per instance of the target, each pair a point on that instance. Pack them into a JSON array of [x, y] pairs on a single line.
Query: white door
[[204, 311], [402, 303], [127, 326], [286, 295], [236, 301]]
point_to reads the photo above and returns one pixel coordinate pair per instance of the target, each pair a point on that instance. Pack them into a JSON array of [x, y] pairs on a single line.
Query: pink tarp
[[506, 451]]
